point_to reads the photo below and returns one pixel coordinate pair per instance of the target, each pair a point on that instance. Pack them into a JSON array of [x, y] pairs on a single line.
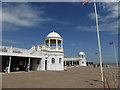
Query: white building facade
[[52, 52], [49, 56], [80, 61]]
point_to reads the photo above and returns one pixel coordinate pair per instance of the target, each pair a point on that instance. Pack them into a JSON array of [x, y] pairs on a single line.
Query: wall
[[34, 64], [50, 66], [83, 64]]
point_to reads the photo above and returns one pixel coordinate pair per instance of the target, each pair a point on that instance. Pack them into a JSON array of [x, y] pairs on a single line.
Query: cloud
[[92, 16], [85, 28], [22, 14], [63, 22], [111, 9], [75, 44], [111, 27], [108, 22], [107, 0], [9, 41]]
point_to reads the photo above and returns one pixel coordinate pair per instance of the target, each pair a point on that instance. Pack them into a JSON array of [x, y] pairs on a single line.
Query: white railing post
[[49, 44], [56, 44], [72, 62]]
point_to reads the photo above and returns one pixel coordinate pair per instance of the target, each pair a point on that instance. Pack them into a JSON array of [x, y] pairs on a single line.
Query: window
[[60, 60], [83, 62], [53, 60], [82, 56]]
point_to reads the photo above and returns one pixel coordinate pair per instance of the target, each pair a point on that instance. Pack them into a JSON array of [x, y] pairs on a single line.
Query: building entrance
[[18, 63], [45, 64]]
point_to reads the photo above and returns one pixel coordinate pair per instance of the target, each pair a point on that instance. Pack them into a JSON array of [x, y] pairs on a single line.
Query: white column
[[57, 44], [79, 62], [29, 63], [72, 63], [9, 64], [69, 63], [62, 43], [49, 43], [65, 62]]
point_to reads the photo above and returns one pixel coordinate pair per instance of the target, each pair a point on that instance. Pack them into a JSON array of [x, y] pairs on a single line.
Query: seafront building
[[80, 61], [49, 56]]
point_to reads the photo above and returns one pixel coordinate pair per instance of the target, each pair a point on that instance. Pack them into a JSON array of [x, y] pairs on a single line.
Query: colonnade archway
[[19, 63], [71, 63]]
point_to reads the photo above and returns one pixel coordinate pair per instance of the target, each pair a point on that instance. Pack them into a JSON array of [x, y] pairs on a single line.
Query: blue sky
[[26, 24]]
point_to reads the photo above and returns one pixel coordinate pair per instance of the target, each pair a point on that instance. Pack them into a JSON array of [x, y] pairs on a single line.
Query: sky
[[27, 23]]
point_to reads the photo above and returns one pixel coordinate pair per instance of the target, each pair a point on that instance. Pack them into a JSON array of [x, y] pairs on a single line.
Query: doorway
[[45, 64], [18, 63]]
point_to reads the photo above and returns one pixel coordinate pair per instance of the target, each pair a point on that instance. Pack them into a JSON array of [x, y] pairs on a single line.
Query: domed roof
[[81, 53], [53, 34]]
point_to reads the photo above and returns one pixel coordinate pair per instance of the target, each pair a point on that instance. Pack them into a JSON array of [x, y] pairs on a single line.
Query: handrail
[[113, 76]]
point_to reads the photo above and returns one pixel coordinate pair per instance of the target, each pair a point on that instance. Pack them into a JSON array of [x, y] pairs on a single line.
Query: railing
[[52, 48], [6, 49], [112, 76], [74, 58], [60, 48]]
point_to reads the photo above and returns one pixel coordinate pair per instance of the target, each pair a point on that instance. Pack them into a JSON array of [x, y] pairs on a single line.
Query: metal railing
[[52, 48], [6, 49], [112, 76]]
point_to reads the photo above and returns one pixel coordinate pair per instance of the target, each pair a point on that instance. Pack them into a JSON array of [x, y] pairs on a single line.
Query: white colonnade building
[[49, 56], [80, 61]]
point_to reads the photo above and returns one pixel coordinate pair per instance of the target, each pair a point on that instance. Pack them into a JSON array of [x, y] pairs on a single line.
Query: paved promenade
[[77, 77]]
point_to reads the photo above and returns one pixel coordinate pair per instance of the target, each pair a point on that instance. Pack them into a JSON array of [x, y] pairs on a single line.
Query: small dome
[[81, 53], [53, 34]]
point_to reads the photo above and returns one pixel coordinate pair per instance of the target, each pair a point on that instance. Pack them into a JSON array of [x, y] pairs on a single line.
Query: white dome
[[53, 34], [81, 53]]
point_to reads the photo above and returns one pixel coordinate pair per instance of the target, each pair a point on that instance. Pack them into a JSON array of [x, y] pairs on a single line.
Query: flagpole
[[98, 36], [115, 54]]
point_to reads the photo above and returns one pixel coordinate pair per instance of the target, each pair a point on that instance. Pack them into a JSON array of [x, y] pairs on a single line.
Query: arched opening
[[53, 60], [53, 43], [60, 60], [45, 64]]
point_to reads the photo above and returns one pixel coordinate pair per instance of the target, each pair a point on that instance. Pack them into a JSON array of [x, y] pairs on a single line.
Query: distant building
[[49, 56], [80, 61]]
